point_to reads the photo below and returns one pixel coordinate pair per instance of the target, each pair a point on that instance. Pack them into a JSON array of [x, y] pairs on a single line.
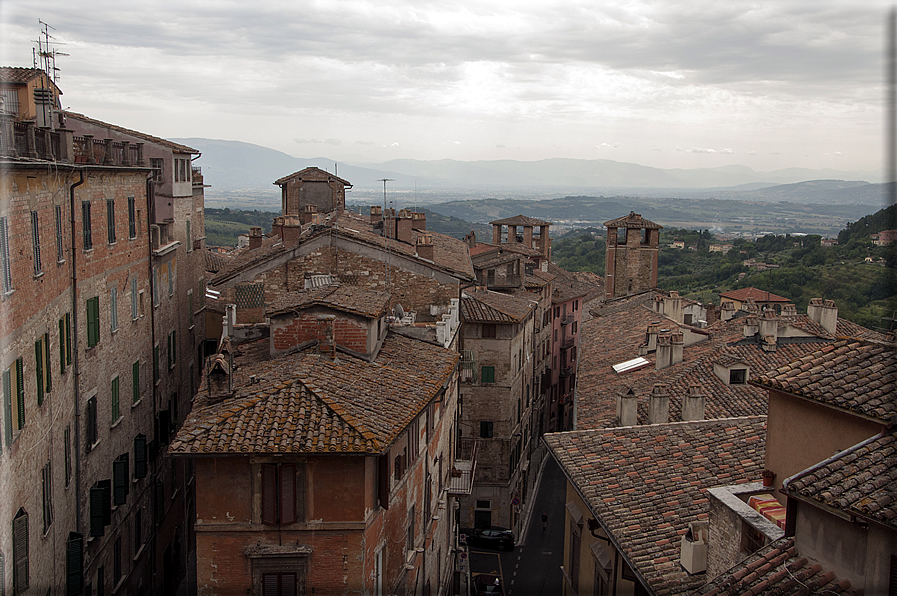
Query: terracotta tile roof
[[568, 286], [855, 375], [449, 253], [633, 220], [314, 174], [861, 480], [308, 403], [520, 220], [777, 569], [484, 306], [352, 299], [215, 261], [646, 483], [176, 147], [16, 75], [756, 295], [617, 328]]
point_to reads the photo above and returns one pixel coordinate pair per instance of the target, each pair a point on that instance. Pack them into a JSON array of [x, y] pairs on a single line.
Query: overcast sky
[[695, 83]]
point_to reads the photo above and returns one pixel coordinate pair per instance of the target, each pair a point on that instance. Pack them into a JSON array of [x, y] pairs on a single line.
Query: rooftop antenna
[[44, 58], [386, 228]]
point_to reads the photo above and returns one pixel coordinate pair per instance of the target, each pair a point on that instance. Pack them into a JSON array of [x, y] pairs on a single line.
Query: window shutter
[[135, 381], [7, 406], [269, 494], [270, 585], [174, 347], [39, 371], [288, 584], [96, 511], [62, 346], [68, 338], [20, 394], [120, 480], [288, 494], [74, 565], [20, 552], [383, 481], [133, 298], [140, 456], [47, 369], [5, 270]]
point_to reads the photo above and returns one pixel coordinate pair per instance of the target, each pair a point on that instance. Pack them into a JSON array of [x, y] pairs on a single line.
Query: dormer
[[732, 370]]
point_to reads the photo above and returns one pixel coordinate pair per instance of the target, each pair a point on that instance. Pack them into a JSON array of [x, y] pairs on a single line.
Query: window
[[156, 374], [13, 400], [135, 312], [110, 220], [279, 584], [574, 327], [157, 281], [5, 271], [737, 376], [172, 348], [116, 561], [135, 382], [487, 374], [409, 535], [42, 367], [20, 552], [189, 238], [279, 495], [156, 163], [91, 422], [486, 429], [116, 410], [46, 496], [93, 321], [10, 103], [132, 218], [120, 480], [170, 281], [140, 456], [67, 440], [113, 308], [100, 508], [489, 330], [85, 225], [190, 308], [65, 342], [74, 564], [35, 243], [60, 248]]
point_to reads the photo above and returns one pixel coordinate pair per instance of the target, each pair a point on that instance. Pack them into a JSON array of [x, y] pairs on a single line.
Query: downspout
[[150, 217], [77, 366]]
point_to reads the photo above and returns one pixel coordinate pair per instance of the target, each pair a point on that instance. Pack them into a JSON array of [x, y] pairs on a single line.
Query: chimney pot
[[659, 405], [627, 408], [693, 405]]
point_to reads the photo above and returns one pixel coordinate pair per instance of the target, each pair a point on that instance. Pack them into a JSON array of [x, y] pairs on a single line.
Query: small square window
[[486, 429], [737, 376]]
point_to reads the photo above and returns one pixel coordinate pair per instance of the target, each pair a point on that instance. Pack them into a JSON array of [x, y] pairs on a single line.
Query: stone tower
[[312, 186], [631, 259]]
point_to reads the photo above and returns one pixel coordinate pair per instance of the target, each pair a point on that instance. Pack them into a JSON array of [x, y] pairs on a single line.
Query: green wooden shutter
[[68, 338], [20, 394], [120, 481], [74, 564], [116, 410], [135, 381], [7, 406], [93, 322], [96, 511], [62, 346], [48, 371], [20, 552], [39, 370], [140, 456]]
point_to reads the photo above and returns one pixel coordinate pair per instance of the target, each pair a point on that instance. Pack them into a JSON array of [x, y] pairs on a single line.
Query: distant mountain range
[[233, 167]]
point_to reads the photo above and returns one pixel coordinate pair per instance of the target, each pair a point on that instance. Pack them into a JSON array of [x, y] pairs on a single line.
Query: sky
[[670, 84]]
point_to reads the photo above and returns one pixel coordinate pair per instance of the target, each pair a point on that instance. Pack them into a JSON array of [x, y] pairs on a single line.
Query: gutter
[[77, 366]]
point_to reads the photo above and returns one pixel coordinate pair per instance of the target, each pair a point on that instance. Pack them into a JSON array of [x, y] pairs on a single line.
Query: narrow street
[[533, 567]]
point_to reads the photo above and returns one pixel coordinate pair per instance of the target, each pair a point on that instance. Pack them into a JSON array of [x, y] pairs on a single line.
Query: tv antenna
[[386, 228], [44, 58]]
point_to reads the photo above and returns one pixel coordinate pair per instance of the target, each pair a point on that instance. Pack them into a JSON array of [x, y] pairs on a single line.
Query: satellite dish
[[400, 312]]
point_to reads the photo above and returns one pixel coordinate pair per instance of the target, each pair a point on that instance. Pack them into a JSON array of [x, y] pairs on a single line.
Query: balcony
[[464, 468], [467, 367], [567, 371], [567, 343], [567, 319]]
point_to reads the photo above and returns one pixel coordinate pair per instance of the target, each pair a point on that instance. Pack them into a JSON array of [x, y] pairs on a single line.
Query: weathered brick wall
[[288, 332]]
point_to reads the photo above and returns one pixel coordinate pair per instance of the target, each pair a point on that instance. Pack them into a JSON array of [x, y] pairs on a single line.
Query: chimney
[[404, 229], [673, 306], [419, 221], [255, 237], [219, 382], [425, 246], [727, 310], [471, 239], [659, 405], [677, 344], [788, 310], [751, 326], [376, 214], [769, 343], [658, 304], [290, 230], [627, 408], [750, 307], [308, 214], [650, 339], [663, 355], [769, 327], [825, 313], [326, 333], [693, 404], [693, 547]]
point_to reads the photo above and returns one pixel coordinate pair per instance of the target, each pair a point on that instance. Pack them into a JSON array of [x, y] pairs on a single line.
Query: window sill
[[60, 262], [88, 250], [134, 404], [114, 331], [38, 275], [94, 445], [112, 243], [139, 552], [117, 422]]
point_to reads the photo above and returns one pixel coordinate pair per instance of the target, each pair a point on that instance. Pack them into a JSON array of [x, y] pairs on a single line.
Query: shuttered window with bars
[[281, 502]]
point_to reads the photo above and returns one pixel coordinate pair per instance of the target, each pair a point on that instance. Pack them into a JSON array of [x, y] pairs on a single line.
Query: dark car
[[486, 584], [494, 537]]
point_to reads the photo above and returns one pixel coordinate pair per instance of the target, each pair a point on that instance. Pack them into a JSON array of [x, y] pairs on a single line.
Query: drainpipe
[[77, 366], [150, 217]]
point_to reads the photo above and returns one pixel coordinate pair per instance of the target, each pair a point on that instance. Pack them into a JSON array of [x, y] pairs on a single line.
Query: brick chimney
[[470, 239], [308, 214], [419, 221], [750, 307], [659, 405], [404, 229], [664, 352], [769, 327], [424, 246], [627, 408], [825, 313], [376, 214], [255, 237], [751, 326], [219, 382], [290, 230], [693, 404]]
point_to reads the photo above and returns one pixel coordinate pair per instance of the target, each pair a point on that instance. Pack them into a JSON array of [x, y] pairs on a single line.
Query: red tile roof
[[16, 75], [176, 147], [633, 220], [352, 299], [485, 306], [520, 220], [308, 403], [756, 295], [312, 173], [646, 483]]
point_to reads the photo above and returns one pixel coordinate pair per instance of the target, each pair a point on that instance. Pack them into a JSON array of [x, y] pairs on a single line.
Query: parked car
[[494, 537], [486, 584]]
